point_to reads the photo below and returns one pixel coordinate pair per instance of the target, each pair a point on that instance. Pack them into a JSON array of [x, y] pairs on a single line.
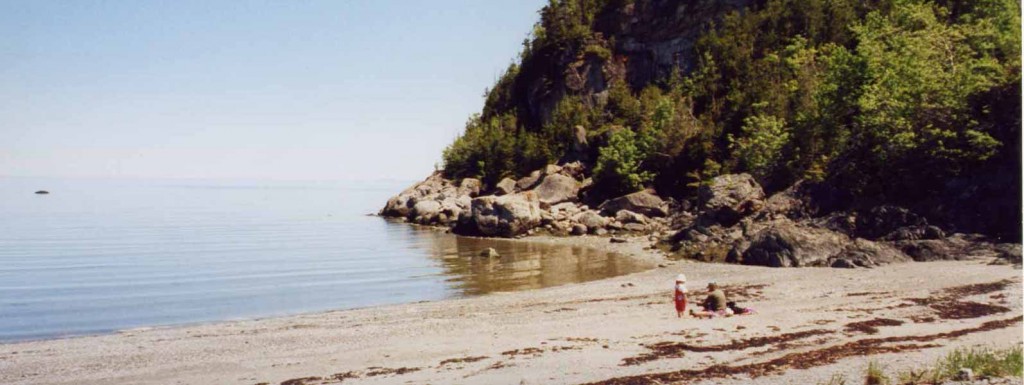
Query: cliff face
[[639, 43]]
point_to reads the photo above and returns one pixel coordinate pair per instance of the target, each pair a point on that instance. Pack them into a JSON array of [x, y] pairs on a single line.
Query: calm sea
[[97, 256]]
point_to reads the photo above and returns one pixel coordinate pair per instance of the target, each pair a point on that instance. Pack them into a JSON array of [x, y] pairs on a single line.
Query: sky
[[275, 90]]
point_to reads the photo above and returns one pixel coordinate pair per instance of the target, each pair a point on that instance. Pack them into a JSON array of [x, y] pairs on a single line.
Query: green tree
[[619, 166]]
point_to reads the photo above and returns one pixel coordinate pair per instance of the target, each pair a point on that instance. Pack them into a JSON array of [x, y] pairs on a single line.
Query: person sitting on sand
[[714, 304], [680, 295]]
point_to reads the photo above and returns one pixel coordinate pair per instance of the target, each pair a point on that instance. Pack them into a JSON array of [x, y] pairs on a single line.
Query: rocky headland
[[732, 220]]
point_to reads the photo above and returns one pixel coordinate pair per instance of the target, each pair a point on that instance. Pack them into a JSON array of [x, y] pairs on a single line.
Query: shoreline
[[582, 330], [541, 239]]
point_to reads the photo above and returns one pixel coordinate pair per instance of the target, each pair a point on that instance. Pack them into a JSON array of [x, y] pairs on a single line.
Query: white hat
[[681, 278]]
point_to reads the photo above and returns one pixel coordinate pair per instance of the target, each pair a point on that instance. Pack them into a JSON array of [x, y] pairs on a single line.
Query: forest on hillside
[[907, 102]]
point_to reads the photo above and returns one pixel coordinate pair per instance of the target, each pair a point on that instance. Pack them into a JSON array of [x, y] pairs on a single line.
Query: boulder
[[527, 182], [426, 211], [578, 229], [506, 216], [557, 188], [470, 186], [398, 206], [883, 220], [786, 244], [505, 187], [489, 252], [626, 216], [402, 204], [728, 198], [592, 220], [914, 233], [551, 169], [1009, 252], [641, 202], [577, 170], [864, 253]]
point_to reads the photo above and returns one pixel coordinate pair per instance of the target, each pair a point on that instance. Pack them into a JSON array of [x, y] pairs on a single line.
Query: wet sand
[[811, 323]]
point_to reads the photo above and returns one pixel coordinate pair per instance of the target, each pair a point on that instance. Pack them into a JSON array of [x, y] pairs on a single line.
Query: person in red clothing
[[680, 295]]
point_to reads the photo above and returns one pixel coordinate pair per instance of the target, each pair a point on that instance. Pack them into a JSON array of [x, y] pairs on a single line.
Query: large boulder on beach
[[864, 253], [784, 243], [641, 202], [557, 188], [728, 198], [787, 244], [506, 216]]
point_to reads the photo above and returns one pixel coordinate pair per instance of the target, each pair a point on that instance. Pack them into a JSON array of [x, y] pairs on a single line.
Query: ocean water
[[101, 255]]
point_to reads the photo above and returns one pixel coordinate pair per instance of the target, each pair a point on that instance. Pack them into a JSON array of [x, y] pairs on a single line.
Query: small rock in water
[[490, 253], [618, 240], [42, 192]]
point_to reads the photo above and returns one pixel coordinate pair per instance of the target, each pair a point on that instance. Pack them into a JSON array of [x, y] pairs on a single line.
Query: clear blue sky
[[293, 90]]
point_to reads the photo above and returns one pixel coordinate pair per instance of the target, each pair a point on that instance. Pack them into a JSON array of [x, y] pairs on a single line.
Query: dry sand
[[811, 323]]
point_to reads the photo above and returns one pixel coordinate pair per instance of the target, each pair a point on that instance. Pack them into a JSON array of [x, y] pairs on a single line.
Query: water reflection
[[521, 266]]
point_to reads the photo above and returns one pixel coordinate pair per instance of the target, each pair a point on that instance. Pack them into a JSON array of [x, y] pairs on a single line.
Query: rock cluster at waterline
[[733, 220], [547, 199]]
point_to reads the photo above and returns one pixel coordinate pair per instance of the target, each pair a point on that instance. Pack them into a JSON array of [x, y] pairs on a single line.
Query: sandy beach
[[811, 323]]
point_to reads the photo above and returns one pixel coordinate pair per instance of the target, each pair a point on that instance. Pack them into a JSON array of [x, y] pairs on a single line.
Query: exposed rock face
[[737, 227], [652, 39], [730, 197], [786, 244], [506, 216], [883, 220], [557, 188], [639, 202], [505, 187], [434, 201], [401, 205], [737, 224], [865, 253]]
